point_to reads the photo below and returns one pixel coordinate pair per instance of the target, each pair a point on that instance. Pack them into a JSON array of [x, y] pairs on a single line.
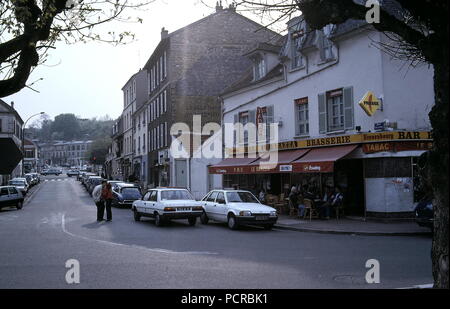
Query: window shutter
[[322, 114], [348, 108], [236, 133], [270, 115], [320, 44], [252, 119]]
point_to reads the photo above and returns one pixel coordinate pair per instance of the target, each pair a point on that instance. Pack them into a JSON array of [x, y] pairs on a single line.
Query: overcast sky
[[86, 79]]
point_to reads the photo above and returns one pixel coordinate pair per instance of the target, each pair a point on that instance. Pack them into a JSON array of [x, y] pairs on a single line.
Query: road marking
[[420, 286], [158, 250]]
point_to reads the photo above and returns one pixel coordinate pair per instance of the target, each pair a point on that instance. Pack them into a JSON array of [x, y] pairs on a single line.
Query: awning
[[232, 166], [10, 155], [321, 160], [277, 162]]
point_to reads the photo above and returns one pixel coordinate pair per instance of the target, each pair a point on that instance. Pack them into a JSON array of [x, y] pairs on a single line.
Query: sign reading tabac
[[370, 104]]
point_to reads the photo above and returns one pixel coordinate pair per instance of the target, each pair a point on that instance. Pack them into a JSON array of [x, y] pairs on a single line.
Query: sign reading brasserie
[[362, 138]]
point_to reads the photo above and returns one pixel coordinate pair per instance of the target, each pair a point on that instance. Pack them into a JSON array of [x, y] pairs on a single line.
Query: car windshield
[[131, 193], [176, 195], [241, 197]]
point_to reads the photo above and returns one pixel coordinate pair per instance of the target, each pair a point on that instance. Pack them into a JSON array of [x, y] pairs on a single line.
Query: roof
[[11, 109], [222, 11], [247, 79], [265, 47]]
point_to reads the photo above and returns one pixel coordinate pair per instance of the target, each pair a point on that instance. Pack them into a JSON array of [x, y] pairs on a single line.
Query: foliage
[[29, 28], [99, 150]]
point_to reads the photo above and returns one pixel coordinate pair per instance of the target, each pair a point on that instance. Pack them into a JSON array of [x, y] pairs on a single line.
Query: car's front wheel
[[192, 221], [232, 224], [19, 205], [137, 216], [204, 218]]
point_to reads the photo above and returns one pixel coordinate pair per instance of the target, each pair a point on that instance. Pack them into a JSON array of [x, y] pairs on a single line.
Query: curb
[[28, 198], [289, 228]]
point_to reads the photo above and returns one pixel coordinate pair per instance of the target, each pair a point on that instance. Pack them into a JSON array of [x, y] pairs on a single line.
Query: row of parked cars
[[14, 193], [124, 194], [233, 207]]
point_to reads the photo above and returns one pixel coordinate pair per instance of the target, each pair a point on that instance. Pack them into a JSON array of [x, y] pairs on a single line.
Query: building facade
[[31, 157], [186, 73], [70, 153], [345, 115], [11, 130]]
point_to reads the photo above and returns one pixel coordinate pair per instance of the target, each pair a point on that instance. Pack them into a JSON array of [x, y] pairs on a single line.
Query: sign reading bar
[[362, 138], [370, 104]]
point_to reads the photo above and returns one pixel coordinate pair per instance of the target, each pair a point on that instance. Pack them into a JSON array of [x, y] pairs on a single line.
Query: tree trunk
[[438, 163]]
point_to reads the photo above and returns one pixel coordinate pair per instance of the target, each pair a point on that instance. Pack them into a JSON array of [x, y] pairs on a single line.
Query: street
[[58, 223]]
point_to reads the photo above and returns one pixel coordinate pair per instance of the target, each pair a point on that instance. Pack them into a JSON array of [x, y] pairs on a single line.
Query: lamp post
[[23, 139]]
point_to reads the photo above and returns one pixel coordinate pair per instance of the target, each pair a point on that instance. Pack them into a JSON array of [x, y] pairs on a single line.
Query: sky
[[86, 79]]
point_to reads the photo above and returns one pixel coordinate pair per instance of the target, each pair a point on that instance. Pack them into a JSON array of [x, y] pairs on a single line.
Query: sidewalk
[[352, 227]]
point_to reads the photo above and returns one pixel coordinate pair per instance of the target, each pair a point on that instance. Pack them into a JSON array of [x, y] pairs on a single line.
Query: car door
[[14, 196], [140, 203], [4, 197], [211, 206], [150, 205], [221, 207]]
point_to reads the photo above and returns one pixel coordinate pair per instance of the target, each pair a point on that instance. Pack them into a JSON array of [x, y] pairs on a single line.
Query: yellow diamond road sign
[[370, 103]]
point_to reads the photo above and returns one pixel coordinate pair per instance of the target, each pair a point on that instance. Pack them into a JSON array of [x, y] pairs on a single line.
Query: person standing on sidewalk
[[107, 197], [99, 202]]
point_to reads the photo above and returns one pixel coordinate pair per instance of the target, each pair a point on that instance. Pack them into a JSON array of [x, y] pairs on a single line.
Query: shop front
[[374, 171]]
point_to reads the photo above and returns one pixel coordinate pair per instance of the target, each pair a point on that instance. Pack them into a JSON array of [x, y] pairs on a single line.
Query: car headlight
[[273, 213], [245, 213]]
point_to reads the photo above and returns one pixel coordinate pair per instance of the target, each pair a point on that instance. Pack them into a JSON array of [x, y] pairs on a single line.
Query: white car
[[20, 183], [237, 207], [165, 204]]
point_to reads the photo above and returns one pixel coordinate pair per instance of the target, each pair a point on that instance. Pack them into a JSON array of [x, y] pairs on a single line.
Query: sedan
[[20, 184], [237, 207]]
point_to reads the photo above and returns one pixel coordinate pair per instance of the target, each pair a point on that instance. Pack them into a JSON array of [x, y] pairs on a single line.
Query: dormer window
[[260, 67], [326, 50], [297, 37]]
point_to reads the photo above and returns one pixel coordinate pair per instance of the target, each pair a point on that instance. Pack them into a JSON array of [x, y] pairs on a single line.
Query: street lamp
[[23, 139]]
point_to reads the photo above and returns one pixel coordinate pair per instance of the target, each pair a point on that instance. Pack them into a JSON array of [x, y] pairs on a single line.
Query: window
[[220, 198], [326, 46], [243, 119], [260, 68], [161, 134], [165, 134], [157, 107], [143, 143], [165, 100], [336, 110], [297, 36], [335, 105], [301, 106], [212, 197]]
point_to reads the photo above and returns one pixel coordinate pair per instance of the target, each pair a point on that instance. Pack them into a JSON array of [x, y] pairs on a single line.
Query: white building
[[311, 86]]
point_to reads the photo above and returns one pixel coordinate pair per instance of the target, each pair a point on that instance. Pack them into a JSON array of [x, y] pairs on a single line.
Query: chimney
[[12, 104], [164, 33], [219, 6], [232, 7]]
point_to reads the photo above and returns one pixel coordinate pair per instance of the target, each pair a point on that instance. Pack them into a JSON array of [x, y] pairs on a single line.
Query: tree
[[29, 28], [99, 150], [67, 126], [421, 31]]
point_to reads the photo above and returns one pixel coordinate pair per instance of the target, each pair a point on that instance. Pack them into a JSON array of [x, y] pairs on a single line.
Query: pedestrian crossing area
[[62, 179]]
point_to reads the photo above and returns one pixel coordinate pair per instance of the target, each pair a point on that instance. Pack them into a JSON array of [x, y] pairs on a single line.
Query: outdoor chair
[[293, 212], [310, 209]]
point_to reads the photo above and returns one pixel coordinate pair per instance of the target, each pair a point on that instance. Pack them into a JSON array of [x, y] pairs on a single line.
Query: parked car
[[86, 177], [237, 207], [165, 204], [72, 173], [424, 213], [36, 177], [20, 183], [55, 172], [92, 182], [10, 196], [125, 194], [30, 180]]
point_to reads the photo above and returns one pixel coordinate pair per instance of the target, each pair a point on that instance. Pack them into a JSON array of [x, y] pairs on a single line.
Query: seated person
[[336, 200], [323, 206], [293, 197]]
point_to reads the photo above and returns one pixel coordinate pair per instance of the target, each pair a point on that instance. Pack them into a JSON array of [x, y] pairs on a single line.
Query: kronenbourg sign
[[370, 103]]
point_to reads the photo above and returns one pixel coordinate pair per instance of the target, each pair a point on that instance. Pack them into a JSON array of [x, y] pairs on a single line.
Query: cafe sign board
[[362, 138], [370, 103]]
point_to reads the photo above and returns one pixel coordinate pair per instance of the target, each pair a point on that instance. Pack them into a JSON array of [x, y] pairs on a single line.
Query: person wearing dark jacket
[[107, 196]]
